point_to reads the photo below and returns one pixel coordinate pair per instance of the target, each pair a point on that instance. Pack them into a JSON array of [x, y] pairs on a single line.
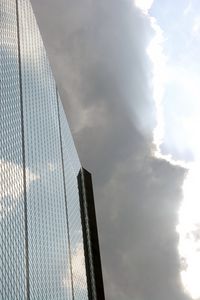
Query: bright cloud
[[78, 269], [196, 27], [187, 116], [189, 233], [158, 59], [144, 5], [11, 185]]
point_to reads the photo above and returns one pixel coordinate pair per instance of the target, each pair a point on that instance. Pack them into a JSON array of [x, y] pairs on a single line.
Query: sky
[[128, 74]]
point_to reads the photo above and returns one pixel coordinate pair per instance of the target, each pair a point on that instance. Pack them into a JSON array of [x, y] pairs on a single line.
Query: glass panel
[[48, 247], [72, 167], [12, 233], [47, 225]]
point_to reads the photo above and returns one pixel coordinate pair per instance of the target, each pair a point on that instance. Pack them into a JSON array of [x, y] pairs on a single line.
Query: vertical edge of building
[[49, 246], [90, 236]]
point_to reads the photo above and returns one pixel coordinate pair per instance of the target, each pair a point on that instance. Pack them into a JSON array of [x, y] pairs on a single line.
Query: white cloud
[[186, 113], [189, 233], [78, 269], [11, 185], [188, 8], [158, 59], [189, 217], [144, 5], [196, 27]]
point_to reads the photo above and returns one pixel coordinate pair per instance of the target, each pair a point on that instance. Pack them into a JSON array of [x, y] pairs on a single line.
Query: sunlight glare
[[144, 5], [189, 233], [188, 227]]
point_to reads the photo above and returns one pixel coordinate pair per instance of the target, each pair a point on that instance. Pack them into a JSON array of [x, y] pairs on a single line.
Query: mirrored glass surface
[[12, 233], [38, 173], [71, 169], [46, 211]]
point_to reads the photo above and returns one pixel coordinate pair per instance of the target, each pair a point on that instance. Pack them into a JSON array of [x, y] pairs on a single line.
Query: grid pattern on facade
[[12, 232], [47, 228], [41, 242], [71, 168]]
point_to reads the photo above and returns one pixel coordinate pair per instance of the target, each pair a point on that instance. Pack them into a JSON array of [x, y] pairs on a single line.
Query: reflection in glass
[[38, 177]]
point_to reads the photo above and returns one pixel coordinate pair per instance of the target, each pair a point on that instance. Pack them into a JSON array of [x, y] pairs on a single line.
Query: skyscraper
[[48, 234]]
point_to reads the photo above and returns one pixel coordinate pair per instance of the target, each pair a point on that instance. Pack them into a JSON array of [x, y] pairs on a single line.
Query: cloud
[[139, 241], [144, 5], [98, 53], [189, 233], [196, 27], [10, 194], [78, 270]]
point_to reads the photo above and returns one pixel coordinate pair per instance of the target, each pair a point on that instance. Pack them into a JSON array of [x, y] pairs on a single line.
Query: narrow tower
[[48, 235]]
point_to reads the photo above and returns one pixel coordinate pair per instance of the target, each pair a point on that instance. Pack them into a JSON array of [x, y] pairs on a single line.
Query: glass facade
[[71, 169], [12, 233], [46, 215], [41, 236]]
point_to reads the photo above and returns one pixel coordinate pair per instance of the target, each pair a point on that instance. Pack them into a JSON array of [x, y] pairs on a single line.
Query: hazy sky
[[128, 75]]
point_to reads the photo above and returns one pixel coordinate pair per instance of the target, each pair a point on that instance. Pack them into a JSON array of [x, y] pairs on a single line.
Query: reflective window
[[56, 261], [72, 167], [47, 225], [12, 234]]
